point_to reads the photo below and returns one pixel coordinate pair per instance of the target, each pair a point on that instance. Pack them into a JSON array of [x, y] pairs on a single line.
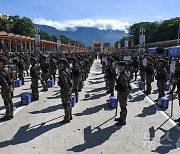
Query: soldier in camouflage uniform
[[123, 89], [53, 68], [135, 65], [6, 90], [76, 77], [21, 68], [110, 75], [142, 71], [161, 78], [66, 89], [149, 76], [45, 73], [34, 73]]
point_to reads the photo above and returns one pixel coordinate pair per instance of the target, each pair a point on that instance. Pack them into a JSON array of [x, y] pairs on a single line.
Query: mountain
[[86, 35]]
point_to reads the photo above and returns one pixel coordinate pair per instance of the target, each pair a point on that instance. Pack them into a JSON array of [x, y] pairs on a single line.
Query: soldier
[[45, 73], [135, 65], [66, 89], [110, 75], [34, 79], [76, 77], [161, 78], [177, 80], [21, 68], [53, 68], [123, 89], [6, 90], [142, 72], [149, 76]]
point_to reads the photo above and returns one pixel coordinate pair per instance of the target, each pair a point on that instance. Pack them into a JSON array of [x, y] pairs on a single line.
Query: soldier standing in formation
[[6, 90], [66, 89], [76, 77], [161, 77], [123, 89], [45, 72], [110, 75], [34, 73], [149, 76]]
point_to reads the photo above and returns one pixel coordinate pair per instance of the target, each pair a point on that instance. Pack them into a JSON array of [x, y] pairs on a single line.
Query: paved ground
[[36, 128]]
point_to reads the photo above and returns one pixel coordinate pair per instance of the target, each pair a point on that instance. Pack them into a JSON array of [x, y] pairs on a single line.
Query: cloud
[[102, 24]]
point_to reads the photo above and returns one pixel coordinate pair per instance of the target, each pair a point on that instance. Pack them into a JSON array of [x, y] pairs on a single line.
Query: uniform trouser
[[21, 76], [44, 82], [142, 76], [122, 98], [135, 70], [111, 84], [178, 89], [161, 84], [34, 87], [149, 88], [66, 98], [6, 96], [75, 87], [53, 75]]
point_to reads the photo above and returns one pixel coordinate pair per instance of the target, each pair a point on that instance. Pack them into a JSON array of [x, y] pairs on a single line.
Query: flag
[[97, 44]]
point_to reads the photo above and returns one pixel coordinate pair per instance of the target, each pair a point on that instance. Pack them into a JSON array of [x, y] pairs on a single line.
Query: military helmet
[[3, 60], [33, 59], [122, 63], [73, 59], [63, 61]]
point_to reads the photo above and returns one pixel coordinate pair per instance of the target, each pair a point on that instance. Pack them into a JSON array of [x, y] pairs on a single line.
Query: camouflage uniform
[[6, 84], [45, 74], [161, 79], [66, 91], [34, 80], [123, 89], [76, 78], [110, 76], [21, 68], [149, 76], [53, 68]]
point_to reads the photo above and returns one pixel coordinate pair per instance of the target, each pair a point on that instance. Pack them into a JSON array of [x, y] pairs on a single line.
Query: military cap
[[3, 60], [63, 61], [122, 63]]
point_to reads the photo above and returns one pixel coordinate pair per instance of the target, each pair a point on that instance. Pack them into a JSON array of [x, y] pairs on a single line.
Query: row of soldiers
[[148, 67], [72, 69]]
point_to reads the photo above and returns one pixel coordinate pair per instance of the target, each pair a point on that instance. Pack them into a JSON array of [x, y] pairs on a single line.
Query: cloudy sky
[[103, 14]]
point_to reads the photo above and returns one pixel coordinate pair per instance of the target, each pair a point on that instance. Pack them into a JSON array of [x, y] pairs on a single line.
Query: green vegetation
[[154, 31]]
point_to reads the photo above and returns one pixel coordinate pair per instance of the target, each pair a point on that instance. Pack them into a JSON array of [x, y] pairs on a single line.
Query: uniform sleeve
[[164, 72], [124, 82], [64, 79]]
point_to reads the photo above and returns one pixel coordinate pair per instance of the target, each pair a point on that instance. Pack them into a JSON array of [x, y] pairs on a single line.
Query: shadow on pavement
[[96, 82], [96, 90], [147, 111], [170, 140], [55, 97], [48, 109], [138, 98], [93, 110], [97, 78], [94, 96], [94, 139], [26, 134]]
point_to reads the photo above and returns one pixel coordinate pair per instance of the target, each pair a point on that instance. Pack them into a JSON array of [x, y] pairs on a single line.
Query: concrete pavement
[[37, 129]]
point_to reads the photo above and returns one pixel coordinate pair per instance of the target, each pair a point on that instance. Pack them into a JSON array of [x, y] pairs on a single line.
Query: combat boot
[[121, 123]]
